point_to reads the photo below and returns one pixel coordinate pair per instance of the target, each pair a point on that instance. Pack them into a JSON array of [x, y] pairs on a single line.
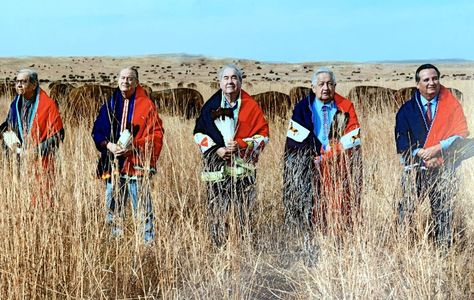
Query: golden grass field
[[65, 251]]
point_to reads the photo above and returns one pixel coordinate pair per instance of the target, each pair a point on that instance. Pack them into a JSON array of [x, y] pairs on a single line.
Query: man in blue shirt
[[322, 174], [427, 126]]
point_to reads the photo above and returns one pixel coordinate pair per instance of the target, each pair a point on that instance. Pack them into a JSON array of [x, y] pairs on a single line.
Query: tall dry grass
[[65, 251]]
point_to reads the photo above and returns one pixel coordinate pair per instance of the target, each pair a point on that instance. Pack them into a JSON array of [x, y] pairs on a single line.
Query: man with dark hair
[[424, 67], [129, 135], [33, 125], [429, 132], [231, 131]]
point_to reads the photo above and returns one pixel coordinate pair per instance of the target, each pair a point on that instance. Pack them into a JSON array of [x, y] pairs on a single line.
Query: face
[[429, 83], [127, 82], [230, 82], [24, 86], [324, 87]]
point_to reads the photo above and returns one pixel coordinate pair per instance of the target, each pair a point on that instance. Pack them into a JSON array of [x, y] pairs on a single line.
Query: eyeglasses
[[330, 84], [22, 81]]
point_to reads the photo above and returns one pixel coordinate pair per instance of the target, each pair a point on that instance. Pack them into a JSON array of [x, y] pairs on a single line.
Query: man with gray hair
[[231, 131], [322, 169], [128, 133], [34, 126]]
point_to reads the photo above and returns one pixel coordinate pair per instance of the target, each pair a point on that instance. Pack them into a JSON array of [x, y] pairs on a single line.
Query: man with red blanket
[[34, 126], [322, 172], [129, 135], [231, 131], [428, 127]]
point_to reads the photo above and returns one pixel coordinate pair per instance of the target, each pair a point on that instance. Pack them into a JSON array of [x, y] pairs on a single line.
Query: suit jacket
[[412, 132]]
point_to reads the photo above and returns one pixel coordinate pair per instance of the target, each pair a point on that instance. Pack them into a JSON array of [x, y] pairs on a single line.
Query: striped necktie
[[325, 110]]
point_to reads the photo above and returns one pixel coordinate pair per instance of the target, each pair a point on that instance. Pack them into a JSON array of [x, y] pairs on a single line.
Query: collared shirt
[[317, 111], [235, 108], [434, 107], [26, 110]]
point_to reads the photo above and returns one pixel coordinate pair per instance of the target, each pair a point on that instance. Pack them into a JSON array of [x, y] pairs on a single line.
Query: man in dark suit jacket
[[429, 132]]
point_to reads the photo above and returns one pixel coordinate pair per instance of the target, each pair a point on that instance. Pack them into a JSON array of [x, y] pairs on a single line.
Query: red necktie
[[428, 114]]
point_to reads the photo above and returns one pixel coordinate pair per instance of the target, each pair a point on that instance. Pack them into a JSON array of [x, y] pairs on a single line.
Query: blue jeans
[[139, 192]]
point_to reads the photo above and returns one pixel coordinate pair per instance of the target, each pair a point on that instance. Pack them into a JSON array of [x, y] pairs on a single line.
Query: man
[[34, 126], [231, 131], [429, 127], [322, 171], [129, 135]]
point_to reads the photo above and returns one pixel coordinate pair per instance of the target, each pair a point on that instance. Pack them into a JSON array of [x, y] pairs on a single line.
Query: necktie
[[428, 114], [123, 124], [25, 116], [325, 121]]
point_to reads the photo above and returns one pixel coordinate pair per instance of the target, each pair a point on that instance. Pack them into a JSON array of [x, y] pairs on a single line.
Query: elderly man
[[429, 133], [33, 125], [129, 135], [231, 131], [322, 169]]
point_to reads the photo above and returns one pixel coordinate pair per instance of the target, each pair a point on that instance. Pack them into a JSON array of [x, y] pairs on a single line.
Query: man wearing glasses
[[33, 127], [322, 170]]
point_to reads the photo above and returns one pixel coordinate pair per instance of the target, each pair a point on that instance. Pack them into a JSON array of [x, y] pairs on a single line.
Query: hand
[[432, 163], [224, 153], [430, 152], [232, 146], [433, 151], [117, 150]]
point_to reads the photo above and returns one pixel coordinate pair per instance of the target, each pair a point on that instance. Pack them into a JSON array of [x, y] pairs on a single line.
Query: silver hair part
[[314, 78], [32, 75], [233, 67], [133, 69]]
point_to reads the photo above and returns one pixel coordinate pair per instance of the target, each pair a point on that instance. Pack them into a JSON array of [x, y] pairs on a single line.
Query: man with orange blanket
[[231, 132], [129, 135], [34, 126], [322, 172], [428, 127]]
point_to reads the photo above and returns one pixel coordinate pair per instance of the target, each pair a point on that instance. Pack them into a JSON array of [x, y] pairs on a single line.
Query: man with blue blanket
[[430, 135], [129, 135]]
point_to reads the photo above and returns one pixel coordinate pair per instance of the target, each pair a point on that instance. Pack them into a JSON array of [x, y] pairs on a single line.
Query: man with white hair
[[129, 135], [231, 131], [322, 170], [33, 125]]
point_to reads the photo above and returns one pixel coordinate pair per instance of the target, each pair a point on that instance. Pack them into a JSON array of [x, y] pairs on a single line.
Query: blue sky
[[267, 30]]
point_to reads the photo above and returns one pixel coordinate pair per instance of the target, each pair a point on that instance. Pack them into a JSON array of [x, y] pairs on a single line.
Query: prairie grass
[[65, 250]]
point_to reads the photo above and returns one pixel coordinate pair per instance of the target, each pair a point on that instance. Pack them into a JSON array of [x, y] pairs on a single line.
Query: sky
[[266, 30]]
